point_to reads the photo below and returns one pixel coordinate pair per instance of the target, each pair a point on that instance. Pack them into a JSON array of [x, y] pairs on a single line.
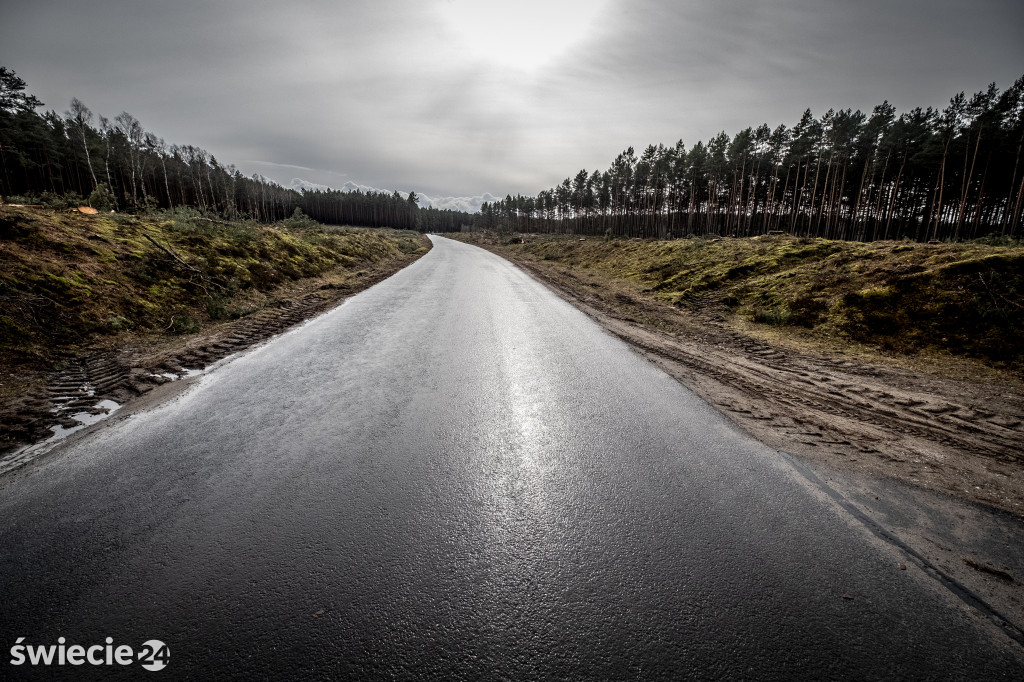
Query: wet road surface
[[456, 475]]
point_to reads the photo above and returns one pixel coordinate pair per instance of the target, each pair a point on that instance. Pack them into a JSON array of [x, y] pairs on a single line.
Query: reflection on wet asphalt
[[456, 475]]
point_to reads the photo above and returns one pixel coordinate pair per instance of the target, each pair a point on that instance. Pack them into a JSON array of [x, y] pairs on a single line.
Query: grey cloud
[[467, 204], [379, 93]]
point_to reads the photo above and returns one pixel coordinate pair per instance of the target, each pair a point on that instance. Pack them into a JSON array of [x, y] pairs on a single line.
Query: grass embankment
[[70, 280], [900, 297]]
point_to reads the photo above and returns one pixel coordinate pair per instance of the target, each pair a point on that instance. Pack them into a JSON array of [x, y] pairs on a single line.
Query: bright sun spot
[[526, 34]]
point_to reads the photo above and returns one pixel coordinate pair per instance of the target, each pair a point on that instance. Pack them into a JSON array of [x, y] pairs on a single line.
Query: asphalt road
[[456, 475]]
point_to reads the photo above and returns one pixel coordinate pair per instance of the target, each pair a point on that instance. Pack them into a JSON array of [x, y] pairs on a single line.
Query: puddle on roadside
[[99, 411], [26, 454]]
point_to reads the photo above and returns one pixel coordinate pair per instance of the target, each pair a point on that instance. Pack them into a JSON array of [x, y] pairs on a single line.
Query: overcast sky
[[460, 98]]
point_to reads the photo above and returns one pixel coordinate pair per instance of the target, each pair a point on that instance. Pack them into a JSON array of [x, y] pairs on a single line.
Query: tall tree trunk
[[814, 193], [877, 212], [979, 204], [88, 157], [965, 186], [167, 184], [1010, 215], [892, 198], [939, 186], [798, 196], [826, 198]]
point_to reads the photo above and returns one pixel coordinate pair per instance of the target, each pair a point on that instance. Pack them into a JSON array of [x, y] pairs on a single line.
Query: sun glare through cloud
[[525, 35]]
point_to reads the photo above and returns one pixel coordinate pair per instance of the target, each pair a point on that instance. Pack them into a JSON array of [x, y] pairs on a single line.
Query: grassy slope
[[903, 297], [70, 279]]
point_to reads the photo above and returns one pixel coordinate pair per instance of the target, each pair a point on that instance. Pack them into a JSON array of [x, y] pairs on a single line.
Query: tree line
[[926, 174], [117, 164]]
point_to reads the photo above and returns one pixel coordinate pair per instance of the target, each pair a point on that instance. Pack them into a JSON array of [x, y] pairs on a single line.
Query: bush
[[299, 220], [216, 308], [774, 316], [60, 202], [997, 239], [102, 199], [48, 199], [116, 323], [184, 324]]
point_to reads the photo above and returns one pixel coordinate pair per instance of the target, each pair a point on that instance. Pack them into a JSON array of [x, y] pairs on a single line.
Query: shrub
[[299, 220], [997, 239], [116, 323], [775, 316], [102, 199], [184, 324], [60, 202], [216, 308]]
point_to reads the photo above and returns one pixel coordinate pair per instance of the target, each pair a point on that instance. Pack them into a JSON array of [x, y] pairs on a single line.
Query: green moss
[[10, 331]]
